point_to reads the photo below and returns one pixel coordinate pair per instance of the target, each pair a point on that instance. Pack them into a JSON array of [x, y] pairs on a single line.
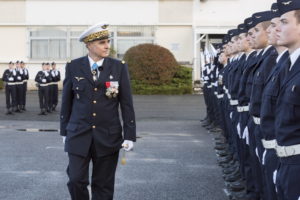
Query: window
[[55, 43]]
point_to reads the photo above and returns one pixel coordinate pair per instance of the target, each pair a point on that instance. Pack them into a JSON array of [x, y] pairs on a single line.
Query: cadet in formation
[[252, 93]]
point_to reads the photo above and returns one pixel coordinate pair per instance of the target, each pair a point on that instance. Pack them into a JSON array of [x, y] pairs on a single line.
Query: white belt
[[269, 144], [25, 81], [215, 84], [209, 86], [243, 108], [286, 151], [52, 83], [7, 83], [18, 83], [234, 102], [44, 84], [256, 120], [220, 96]]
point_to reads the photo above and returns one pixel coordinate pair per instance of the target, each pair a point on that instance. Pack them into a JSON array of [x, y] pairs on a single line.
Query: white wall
[[90, 12], [227, 12]]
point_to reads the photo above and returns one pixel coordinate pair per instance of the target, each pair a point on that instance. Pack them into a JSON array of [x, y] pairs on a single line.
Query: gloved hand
[[127, 145], [64, 139], [44, 80], [19, 77], [10, 78]]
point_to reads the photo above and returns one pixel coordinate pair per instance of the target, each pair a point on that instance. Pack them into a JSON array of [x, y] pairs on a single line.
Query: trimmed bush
[[180, 84], [1, 84], [151, 64]]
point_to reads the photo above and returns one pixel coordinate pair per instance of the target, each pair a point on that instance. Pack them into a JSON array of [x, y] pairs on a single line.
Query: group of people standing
[[47, 82], [252, 93], [16, 78]]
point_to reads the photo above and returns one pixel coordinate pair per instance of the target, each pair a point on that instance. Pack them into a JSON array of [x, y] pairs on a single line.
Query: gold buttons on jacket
[[95, 89], [94, 114], [93, 126], [94, 102]]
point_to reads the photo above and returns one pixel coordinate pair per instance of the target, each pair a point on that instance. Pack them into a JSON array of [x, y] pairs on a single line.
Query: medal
[[94, 75]]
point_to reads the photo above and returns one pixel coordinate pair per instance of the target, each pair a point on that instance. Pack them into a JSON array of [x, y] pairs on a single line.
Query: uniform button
[[94, 101], [95, 89], [93, 126], [94, 114], [77, 88]]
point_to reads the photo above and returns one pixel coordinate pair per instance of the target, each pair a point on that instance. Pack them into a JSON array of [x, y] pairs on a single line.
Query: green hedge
[[180, 84], [1, 84]]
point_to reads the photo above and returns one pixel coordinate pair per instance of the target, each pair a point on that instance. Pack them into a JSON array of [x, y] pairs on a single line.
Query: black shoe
[[221, 147], [204, 119], [236, 186], [9, 112], [233, 178], [206, 123], [230, 170]]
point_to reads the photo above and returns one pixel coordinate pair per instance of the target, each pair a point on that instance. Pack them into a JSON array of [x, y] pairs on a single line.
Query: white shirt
[[266, 49], [280, 55], [294, 56], [249, 54], [99, 63]]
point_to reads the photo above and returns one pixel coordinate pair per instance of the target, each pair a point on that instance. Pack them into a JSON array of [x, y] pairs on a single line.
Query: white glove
[[21, 71], [10, 78], [44, 80], [53, 73], [64, 139], [19, 77], [46, 73], [127, 145]]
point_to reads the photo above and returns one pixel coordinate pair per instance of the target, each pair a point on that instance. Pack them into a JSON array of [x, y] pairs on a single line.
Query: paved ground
[[172, 160]]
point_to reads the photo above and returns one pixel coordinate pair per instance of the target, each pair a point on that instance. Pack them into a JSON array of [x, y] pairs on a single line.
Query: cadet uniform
[[19, 87], [25, 78], [56, 78], [43, 79], [9, 77]]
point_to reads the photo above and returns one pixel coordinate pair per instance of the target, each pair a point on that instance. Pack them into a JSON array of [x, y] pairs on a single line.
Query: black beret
[[249, 23], [261, 17], [275, 11], [285, 6], [242, 28]]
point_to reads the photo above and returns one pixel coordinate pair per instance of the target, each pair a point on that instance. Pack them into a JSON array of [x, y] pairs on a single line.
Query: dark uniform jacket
[[40, 76], [287, 126], [88, 115], [9, 74]]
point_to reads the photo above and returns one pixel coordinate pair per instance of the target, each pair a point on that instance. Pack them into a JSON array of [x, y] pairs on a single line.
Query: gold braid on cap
[[96, 36]]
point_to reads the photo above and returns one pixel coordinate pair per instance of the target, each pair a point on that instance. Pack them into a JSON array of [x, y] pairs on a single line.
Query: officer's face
[[260, 36], [44, 67], [271, 30], [289, 31], [53, 66], [99, 48], [11, 66]]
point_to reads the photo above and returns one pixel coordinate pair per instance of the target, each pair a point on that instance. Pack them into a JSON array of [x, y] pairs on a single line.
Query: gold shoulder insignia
[[123, 62], [69, 61]]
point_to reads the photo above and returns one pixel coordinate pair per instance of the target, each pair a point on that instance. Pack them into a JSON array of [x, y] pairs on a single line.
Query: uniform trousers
[[103, 175]]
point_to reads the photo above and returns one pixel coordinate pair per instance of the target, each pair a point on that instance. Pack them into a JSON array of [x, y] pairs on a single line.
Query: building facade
[[37, 31]]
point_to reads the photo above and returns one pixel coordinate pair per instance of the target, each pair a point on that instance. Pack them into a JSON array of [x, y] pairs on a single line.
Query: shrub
[[1, 84], [180, 84], [151, 64]]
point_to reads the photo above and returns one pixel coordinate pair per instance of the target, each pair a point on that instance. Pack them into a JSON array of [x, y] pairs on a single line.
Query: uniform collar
[[247, 55], [280, 55], [91, 61], [266, 49], [294, 56]]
